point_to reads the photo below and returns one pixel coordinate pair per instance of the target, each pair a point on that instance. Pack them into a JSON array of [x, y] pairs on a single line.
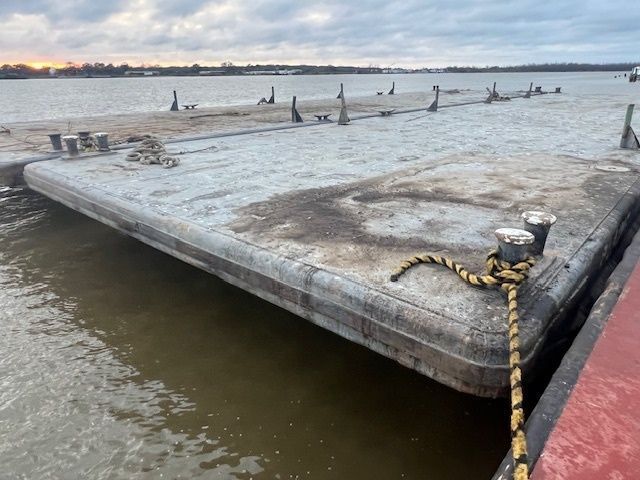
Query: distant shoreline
[[77, 77], [100, 70]]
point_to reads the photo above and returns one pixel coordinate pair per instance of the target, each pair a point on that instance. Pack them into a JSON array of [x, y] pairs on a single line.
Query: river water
[[58, 98], [121, 362]]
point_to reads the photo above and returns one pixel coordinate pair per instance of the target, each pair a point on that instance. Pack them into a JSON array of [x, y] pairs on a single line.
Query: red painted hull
[[598, 434]]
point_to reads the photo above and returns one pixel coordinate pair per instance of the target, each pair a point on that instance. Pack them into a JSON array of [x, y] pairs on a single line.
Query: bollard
[[558, 90], [629, 139], [513, 244], [103, 141], [538, 89], [393, 89], [295, 116], [174, 105], [538, 224], [84, 135], [344, 116], [56, 141], [71, 141], [434, 105]]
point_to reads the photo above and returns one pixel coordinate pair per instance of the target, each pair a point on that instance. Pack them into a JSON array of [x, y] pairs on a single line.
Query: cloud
[[408, 33], [61, 11]]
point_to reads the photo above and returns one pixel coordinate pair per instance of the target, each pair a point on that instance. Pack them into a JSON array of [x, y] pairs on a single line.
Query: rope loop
[[152, 151], [508, 277]]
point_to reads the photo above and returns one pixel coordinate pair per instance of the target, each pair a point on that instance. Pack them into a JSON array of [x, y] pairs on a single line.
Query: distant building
[[431, 70], [142, 73], [293, 71], [221, 71], [395, 70], [260, 72]]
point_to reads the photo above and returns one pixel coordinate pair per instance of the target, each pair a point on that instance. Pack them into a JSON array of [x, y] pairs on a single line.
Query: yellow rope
[[508, 277]]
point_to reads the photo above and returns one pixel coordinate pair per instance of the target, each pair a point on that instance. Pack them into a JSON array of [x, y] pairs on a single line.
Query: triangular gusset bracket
[[434, 105], [295, 116], [174, 105]]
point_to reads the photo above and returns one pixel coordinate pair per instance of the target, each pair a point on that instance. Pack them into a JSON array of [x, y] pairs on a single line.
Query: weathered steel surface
[[316, 226], [597, 435], [213, 122]]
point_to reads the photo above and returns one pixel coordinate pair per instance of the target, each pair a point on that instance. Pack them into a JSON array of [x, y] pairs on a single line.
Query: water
[[120, 362], [57, 98]]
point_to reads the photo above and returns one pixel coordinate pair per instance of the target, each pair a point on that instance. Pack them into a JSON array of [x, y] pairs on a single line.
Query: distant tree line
[[228, 68], [550, 67]]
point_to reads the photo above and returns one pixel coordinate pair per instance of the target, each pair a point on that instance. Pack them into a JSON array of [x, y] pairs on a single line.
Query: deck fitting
[[434, 105], [513, 244], [295, 116], [629, 139], [174, 105], [528, 94], [344, 116], [71, 141], [538, 223], [56, 141], [103, 141]]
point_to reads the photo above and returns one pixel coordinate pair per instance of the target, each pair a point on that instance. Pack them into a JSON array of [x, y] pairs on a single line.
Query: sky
[[407, 33]]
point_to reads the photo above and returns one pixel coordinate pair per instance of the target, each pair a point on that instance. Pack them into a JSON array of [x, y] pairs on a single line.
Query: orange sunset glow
[[43, 64]]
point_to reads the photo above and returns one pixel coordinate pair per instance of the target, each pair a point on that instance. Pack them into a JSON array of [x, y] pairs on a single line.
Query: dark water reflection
[[121, 362]]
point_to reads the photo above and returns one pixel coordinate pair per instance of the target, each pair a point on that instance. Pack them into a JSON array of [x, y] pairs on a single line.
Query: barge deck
[[315, 220]]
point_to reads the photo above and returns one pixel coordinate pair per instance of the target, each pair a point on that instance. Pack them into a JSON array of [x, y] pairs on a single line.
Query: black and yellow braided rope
[[508, 277]]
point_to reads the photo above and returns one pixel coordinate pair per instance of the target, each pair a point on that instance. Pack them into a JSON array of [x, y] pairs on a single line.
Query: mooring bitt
[[56, 141], [513, 244], [103, 141], [71, 141], [538, 223]]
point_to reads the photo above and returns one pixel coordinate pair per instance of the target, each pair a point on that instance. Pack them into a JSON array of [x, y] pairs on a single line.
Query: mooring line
[[508, 277]]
